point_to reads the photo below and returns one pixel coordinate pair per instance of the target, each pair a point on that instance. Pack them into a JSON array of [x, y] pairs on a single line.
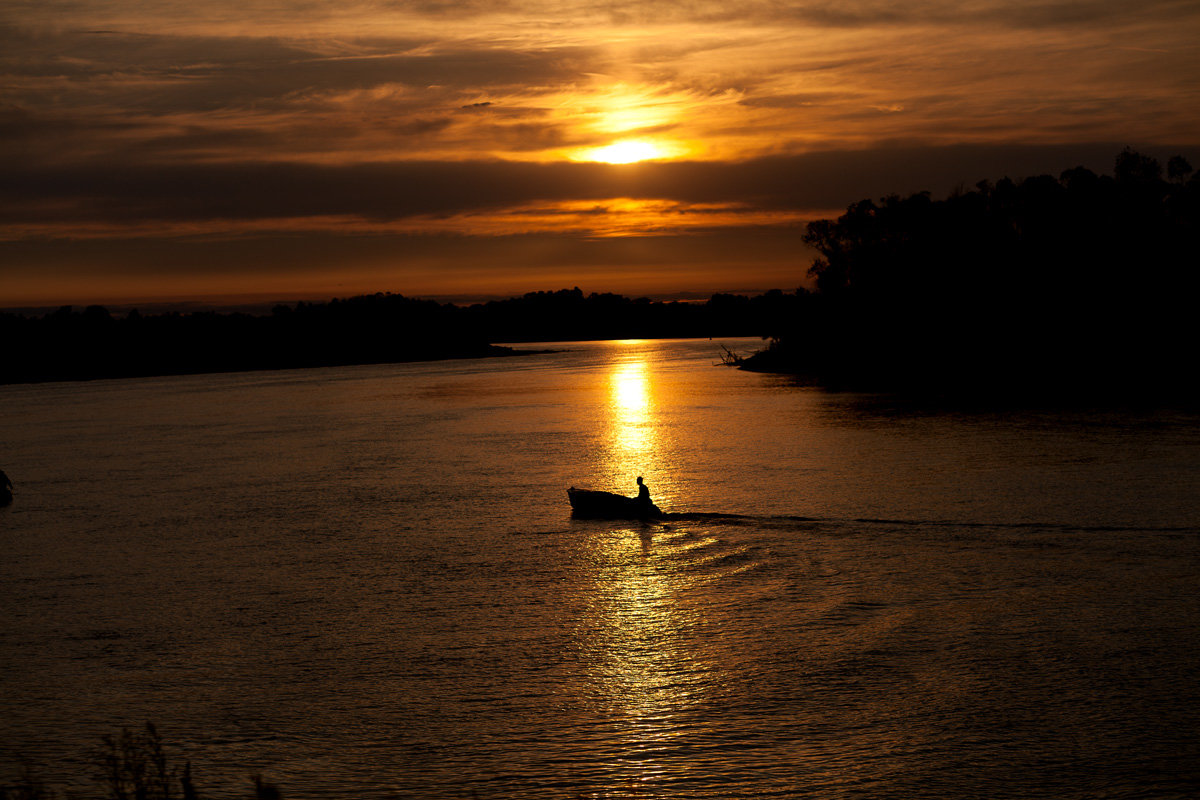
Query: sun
[[626, 151]]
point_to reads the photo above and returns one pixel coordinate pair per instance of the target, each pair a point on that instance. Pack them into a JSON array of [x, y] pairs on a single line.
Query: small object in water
[[6, 487], [591, 504]]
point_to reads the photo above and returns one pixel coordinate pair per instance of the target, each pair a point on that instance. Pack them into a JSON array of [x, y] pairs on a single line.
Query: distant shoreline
[[94, 344], [493, 351]]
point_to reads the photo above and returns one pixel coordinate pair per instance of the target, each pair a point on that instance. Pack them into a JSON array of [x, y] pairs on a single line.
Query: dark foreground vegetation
[[71, 344], [131, 766], [1080, 283]]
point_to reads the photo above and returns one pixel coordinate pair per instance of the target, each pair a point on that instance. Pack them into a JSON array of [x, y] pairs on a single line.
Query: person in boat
[[643, 497]]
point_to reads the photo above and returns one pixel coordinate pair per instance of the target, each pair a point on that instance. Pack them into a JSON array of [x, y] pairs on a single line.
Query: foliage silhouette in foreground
[[130, 766]]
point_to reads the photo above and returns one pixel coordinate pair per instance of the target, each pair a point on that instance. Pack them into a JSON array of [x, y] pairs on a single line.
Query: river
[[365, 582]]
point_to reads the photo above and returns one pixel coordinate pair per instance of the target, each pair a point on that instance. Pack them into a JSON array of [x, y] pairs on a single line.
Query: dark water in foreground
[[364, 582]]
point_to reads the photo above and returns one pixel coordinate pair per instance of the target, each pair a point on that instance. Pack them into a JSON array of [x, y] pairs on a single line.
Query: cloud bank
[[431, 123]]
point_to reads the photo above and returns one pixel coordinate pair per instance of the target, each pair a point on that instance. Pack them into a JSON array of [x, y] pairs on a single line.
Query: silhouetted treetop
[[1178, 169]]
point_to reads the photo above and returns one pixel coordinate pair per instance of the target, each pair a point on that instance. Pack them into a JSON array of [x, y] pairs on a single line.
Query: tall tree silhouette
[[1078, 282]]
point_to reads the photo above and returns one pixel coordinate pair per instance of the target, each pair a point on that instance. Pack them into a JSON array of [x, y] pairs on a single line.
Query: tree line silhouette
[[1082, 282], [71, 344], [78, 345]]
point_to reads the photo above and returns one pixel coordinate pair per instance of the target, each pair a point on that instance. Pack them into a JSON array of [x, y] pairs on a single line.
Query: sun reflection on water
[[630, 409], [635, 440], [642, 665], [649, 678]]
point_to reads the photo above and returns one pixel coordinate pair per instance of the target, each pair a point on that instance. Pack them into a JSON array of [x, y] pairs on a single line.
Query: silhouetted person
[[644, 495], [5, 489]]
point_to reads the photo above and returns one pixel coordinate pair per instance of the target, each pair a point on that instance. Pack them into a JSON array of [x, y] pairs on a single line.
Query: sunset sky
[[225, 152]]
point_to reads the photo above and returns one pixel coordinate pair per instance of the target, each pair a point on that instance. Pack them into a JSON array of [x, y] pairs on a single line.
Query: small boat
[[590, 504]]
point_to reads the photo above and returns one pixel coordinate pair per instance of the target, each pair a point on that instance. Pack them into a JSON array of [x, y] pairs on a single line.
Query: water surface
[[364, 581]]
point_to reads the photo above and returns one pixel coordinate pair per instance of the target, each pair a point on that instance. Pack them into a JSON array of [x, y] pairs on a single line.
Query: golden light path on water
[[638, 437], [630, 410], [648, 674]]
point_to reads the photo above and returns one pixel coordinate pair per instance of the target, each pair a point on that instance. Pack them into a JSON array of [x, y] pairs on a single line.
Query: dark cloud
[[125, 193], [795, 100], [80, 54], [79, 141], [825, 13], [161, 74], [1026, 14], [77, 97], [552, 13], [1088, 13]]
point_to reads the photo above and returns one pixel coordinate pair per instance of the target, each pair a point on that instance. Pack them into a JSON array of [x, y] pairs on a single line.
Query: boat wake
[[723, 518]]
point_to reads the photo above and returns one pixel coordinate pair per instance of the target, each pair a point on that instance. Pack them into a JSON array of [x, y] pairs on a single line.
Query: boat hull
[[590, 504]]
